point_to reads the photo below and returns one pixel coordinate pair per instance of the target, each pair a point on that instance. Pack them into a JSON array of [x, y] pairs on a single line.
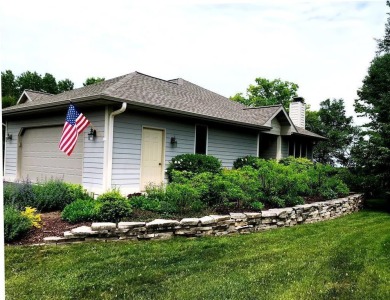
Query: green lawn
[[346, 258]]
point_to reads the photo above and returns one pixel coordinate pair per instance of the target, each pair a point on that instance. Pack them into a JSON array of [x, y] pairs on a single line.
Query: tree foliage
[[49, 84], [13, 86], [93, 80], [372, 154], [331, 122], [65, 85], [384, 44], [268, 92]]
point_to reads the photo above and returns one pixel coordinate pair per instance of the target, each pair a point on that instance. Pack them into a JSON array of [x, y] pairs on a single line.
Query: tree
[[93, 80], [49, 84], [29, 80], [267, 92], [331, 122], [374, 103], [8, 84], [384, 44], [65, 85]]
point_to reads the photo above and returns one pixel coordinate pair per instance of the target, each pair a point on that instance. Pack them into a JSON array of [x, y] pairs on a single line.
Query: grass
[[346, 258]]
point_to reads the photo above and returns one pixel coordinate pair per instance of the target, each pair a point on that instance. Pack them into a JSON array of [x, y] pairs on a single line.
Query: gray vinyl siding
[[228, 145], [126, 163], [284, 147], [267, 150], [94, 151], [14, 127], [276, 127]]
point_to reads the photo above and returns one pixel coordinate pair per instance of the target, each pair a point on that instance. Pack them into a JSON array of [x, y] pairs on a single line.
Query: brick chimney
[[297, 111]]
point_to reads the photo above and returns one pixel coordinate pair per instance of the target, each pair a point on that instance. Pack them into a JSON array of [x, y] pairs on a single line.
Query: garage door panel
[[41, 159]]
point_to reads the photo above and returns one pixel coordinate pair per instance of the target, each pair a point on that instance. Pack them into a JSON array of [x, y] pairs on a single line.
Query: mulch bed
[[53, 225]]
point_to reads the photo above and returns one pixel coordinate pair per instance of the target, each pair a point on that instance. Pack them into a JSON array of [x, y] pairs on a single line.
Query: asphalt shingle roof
[[175, 95]]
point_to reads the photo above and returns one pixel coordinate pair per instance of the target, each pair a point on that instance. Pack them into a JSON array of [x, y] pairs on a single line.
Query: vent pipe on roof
[[297, 111]]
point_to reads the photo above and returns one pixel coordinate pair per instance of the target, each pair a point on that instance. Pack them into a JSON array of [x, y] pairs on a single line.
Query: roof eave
[[43, 106]]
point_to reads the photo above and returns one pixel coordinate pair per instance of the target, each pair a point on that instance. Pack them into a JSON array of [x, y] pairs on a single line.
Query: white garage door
[[42, 160]]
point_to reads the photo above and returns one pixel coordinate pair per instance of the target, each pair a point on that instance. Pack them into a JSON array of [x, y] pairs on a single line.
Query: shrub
[[256, 205], [15, 224], [145, 203], [55, 194], [183, 197], [114, 207], [297, 163], [81, 211], [194, 163], [250, 161], [31, 214], [9, 189], [20, 194]]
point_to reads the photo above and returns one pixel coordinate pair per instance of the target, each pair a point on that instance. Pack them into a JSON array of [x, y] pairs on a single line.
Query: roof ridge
[[38, 92], [168, 81], [117, 84], [263, 106]]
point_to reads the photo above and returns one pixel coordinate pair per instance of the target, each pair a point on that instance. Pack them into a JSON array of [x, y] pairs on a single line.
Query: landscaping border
[[213, 225]]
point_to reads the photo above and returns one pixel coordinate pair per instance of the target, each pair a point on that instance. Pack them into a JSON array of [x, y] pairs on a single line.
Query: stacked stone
[[213, 225]]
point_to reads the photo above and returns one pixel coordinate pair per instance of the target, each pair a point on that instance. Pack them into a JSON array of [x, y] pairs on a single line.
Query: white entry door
[[152, 156]]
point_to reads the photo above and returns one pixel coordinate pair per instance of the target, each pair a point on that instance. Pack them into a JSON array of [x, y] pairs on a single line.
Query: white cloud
[[324, 46]]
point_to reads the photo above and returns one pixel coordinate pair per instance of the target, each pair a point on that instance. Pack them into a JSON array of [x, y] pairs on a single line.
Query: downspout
[[110, 145]]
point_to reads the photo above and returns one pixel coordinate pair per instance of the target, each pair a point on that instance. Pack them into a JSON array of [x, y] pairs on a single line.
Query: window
[[200, 139]]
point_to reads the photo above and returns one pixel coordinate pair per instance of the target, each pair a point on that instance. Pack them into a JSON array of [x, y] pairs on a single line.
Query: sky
[[324, 46]]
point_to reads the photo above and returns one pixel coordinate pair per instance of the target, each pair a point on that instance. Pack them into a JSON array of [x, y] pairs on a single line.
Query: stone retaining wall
[[214, 224]]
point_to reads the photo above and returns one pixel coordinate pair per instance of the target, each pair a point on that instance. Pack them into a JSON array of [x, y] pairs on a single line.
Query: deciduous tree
[[93, 80], [374, 103], [65, 85], [268, 92]]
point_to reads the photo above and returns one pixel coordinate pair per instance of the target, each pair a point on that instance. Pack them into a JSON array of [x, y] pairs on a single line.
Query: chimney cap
[[298, 99]]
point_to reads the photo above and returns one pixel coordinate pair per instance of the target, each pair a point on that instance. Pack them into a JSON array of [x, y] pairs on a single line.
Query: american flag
[[75, 123]]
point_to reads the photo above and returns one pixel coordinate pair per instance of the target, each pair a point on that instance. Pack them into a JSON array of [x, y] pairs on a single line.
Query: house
[[138, 124]]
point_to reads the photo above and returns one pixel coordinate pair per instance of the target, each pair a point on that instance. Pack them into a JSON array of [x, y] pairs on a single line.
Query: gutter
[[109, 145]]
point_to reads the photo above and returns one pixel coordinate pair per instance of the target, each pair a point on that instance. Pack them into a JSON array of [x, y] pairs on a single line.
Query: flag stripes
[[75, 123]]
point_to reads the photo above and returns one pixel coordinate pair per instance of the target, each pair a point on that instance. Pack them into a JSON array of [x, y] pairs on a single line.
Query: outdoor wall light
[[8, 137], [92, 135], [173, 142]]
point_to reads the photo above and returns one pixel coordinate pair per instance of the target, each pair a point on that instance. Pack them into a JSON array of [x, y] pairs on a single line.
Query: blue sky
[[323, 46]]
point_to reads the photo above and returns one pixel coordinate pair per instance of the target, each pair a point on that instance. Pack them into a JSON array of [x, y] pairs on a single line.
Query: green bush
[[183, 197], [81, 211], [194, 163], [19, 194], [114, 207], [145, 203], [55, 194], [250, 161], [15, 224], [9, 189], [297, 163]]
